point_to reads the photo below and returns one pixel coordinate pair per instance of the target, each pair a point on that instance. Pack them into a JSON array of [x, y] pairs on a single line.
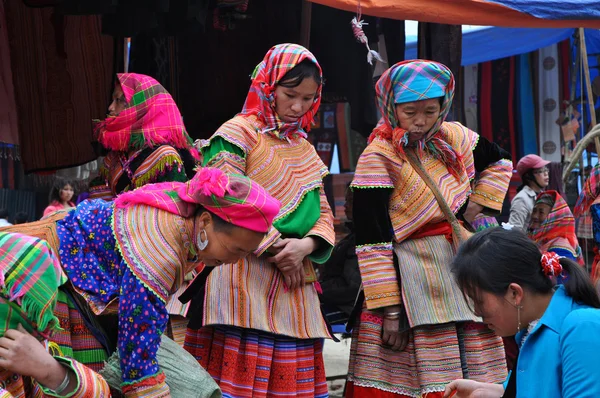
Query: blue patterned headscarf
[[411, 81]]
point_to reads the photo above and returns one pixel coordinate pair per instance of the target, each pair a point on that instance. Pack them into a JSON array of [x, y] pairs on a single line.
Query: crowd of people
[[222, 239]]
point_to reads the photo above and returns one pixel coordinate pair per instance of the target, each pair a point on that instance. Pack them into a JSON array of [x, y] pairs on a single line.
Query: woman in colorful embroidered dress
[[145, 136], [128, 257], [260, 324], [589, 201], [30, 366], [552, 226], [551, 304], [147, 143], [416, 332]]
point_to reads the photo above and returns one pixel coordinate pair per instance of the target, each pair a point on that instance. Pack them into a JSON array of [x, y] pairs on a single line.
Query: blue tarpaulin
[[494, 43], [554, 9]]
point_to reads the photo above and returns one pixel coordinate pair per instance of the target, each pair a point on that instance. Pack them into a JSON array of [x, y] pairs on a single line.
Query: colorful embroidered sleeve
[[162, 164], [98, 186], [89, 383], [226, 150], [142, 320], [270, 238], [374, 236], [224, 155], [495, 170], [323, 229]]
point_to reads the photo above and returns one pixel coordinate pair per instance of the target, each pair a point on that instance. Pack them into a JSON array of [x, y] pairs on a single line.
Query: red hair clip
[[551, 264]]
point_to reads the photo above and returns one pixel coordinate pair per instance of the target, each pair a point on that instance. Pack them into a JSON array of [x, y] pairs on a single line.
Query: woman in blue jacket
[[550, 304]]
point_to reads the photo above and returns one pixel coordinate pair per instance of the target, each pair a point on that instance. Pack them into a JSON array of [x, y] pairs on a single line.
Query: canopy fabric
[[513, 13], [507, 42]]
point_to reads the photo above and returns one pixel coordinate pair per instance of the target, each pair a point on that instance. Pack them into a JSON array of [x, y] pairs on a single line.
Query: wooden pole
[[127, 43], [573, 88], [588, 85], [305, 21], [574, 71]]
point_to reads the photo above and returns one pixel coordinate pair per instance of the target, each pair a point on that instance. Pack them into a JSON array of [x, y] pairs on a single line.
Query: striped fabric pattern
[[91, 384], [492, 185], [249, 364], [152, 387], [12, 385], [430, 361], [177, 328], [558, 230], [251, 294], [589, 193], [429, 292], [413, 205], [162, 160], [29, 279], [287, 170], [75, 338], [43, 229], [323, 228], [155, 250], [378, 274]]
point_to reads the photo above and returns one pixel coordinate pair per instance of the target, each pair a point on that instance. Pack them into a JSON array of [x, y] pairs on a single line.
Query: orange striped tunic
[[251, 293], [412, 205]]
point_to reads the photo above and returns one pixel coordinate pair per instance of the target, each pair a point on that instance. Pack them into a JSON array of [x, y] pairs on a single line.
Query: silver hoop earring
[[200, 242]]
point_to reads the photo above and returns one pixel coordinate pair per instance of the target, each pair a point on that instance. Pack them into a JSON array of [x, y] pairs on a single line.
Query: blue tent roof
[[495, 43], [554, 9]]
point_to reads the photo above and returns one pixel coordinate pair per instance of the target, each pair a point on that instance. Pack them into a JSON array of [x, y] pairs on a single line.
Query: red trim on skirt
[[252, 363], [353, 391]]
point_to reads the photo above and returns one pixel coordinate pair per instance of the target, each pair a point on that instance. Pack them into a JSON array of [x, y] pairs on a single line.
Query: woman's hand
[[473, 209], [473, 389], [391, 335], [290, 257], [23, 354]]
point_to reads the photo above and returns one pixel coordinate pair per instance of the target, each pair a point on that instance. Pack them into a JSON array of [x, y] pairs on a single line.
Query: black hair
[[220, 224], [526, 179], [3, 213], [59, 184], [295, 77], [21, 217], [493, 259]]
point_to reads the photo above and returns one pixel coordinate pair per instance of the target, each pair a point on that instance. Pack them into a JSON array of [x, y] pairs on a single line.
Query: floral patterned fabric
[[97, 271]]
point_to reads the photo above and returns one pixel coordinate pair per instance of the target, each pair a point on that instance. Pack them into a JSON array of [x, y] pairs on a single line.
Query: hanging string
[[357, 29]]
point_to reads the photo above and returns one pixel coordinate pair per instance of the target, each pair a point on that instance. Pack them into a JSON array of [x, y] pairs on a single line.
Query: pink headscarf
[[260, 101], [151, 119], [232, 197]]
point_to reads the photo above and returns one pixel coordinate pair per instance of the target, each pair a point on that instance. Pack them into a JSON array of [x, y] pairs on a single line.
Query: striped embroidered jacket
[[251, 293], [412, 205]]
